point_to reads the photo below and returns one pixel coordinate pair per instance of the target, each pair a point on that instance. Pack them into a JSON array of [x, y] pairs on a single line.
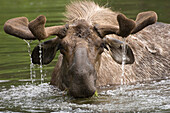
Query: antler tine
[[124, 29], [37, 27], [144, 19], [19, 27], [126, 25]]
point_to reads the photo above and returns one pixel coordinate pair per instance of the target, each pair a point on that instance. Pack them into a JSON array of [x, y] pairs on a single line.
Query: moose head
[[81, 45]]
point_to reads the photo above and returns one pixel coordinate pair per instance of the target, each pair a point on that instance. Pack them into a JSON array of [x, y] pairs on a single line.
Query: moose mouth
[[82, 92]]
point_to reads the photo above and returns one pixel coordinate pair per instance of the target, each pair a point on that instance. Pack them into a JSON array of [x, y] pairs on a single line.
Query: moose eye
[[62, 49], [101, 48], [102, 45]]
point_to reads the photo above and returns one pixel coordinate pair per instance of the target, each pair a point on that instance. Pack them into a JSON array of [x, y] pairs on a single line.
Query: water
[[145, 97], [123, 61], [41, 66], [32, 71], [123, 65], [19, 94]]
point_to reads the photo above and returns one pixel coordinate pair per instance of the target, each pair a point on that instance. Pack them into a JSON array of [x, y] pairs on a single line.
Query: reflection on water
[[18, 94]]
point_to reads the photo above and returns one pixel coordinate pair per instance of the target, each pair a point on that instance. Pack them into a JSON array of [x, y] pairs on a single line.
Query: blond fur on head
[[91, 12]]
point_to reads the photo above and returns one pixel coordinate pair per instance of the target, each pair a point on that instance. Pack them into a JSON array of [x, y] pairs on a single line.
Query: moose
[[90, 45]]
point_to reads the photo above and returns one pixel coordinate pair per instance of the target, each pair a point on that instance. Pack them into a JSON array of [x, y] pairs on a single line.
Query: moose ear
[[48, 48], [115, 47]]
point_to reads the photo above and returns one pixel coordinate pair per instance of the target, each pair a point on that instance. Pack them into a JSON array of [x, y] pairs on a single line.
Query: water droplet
[[123, 61], [32, 71], [41, 67]]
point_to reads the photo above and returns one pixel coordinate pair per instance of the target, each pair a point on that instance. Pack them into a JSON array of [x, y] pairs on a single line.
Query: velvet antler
[[144, 19], [124, 29], [20, 27], [127, 26], [37, 27]]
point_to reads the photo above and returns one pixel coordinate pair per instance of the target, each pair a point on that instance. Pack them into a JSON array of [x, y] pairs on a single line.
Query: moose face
[[81, 49]]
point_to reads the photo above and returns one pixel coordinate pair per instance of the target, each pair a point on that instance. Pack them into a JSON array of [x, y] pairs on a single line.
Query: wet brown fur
[[150, 47]]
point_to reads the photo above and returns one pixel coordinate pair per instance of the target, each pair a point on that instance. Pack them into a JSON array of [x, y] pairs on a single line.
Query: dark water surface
[[20, 93]]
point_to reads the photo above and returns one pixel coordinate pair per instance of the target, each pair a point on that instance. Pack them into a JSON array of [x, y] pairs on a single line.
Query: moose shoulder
[[91, 47]]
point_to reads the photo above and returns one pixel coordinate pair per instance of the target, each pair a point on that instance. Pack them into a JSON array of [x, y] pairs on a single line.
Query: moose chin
[[91, 48]]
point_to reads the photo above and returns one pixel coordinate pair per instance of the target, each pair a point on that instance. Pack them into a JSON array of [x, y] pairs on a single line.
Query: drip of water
[[123, 63], [41, 67], [32, 72]]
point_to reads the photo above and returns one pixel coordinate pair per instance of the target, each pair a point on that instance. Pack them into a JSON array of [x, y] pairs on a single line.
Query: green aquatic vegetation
[[96, 94]]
